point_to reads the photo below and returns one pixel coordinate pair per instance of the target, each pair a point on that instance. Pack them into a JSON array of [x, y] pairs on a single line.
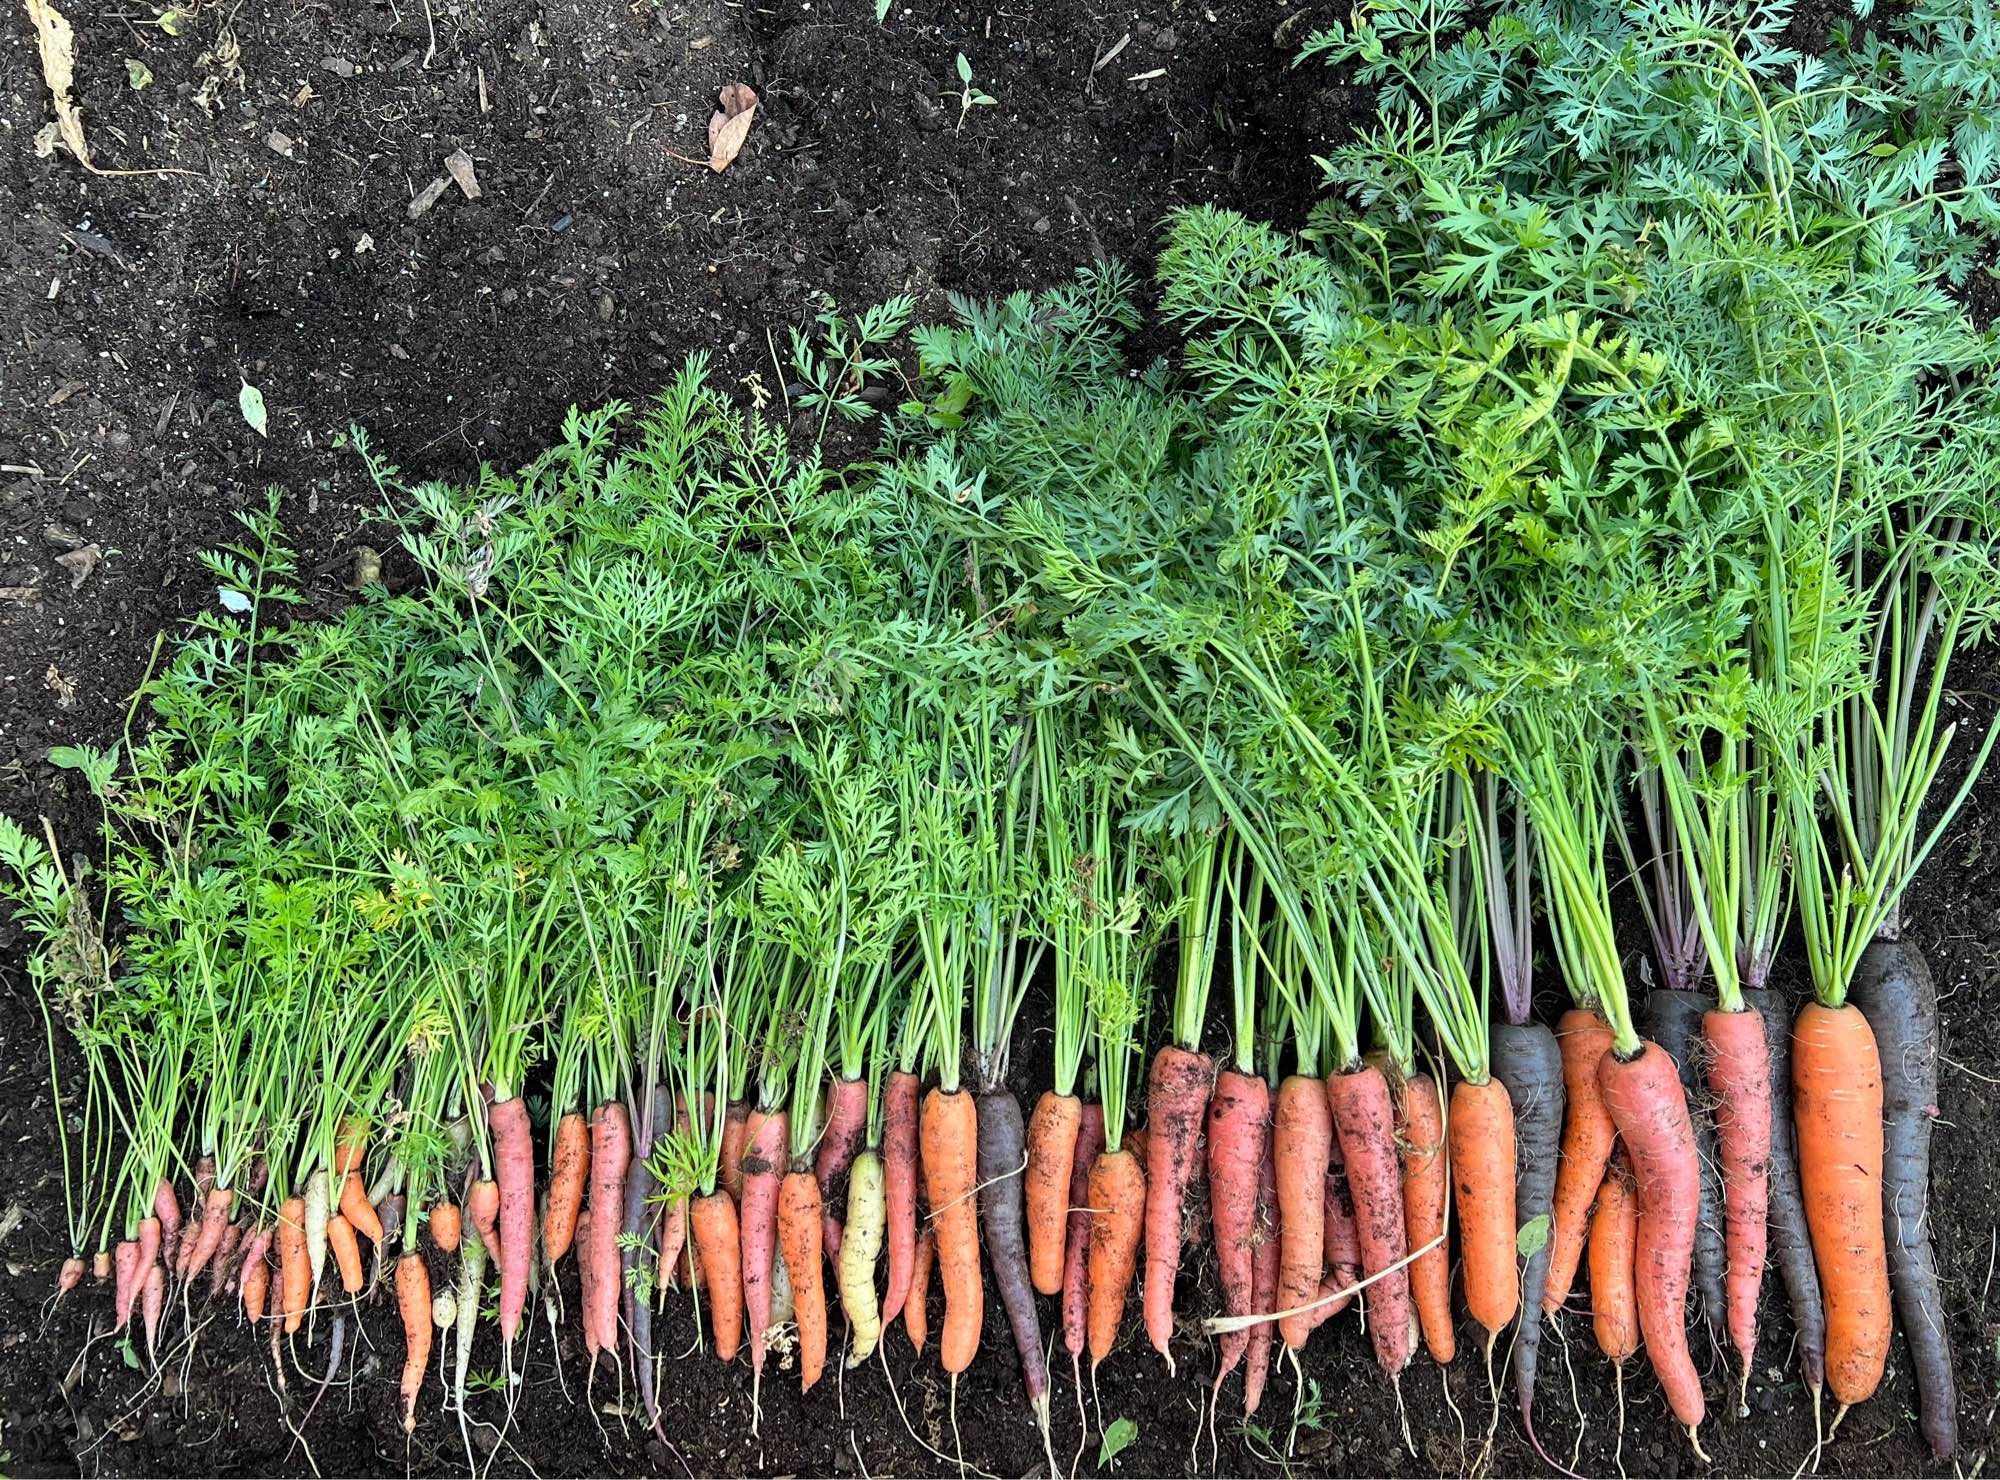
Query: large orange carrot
[[294, 1268], [346, 1252], [718, 1247], [839, 1139], [1052, 1131], [765, 1137], [610, 1155], [1264, 1267], [569, 1170], [1837, 1115], [447, 1225], [1076, 1237], [514, 1172], [1647, 1103], [1239, 1129], [413, 1300], [799, 1212], [1365, 1121], [1301, 1147], [1117, 1210], [1425, 1190], [1739, 1076], [950, 1136], [1177, 1093], [1614, 1241], [1481, 1138], [1588, 1134], [899, 1187], [916, 1312]]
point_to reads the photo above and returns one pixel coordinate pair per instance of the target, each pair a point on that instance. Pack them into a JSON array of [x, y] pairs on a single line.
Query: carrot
[[413, 1299], [71, 1274], [482, 1206], [1837, 1109], [167, 1208], [1265, 1259], [1136, 1140], [1614, 1239], [359, 1212], [346, 1252], [718, 1245], [635, 1236], [1052, 1131], [1365, 1122], [1647, 1103], [1340, 1243], [1893, 988], [916, 1318], [153, 1305], [569, 1168], [1527, 1061], [1673, 1019], [1791, 1239], [840, 1137], [1739, 1077], [447, 1225], [256, 1281], [514, 1172], [1588, 1134], [899, 1187], [757, 1216], [610, 1152], [1076, 1237], [799, 1219], [350, 1146], [1001, 1155], [101, 1264], [1117, 1211], [949, 1134], [1177, 1093], [1239, 1128], [1301, 1147], [1425, 1188], [149, 1244], [294, 1265], [318, 1212], [1480, 1137], [860, 1247], [227, 1248], [126, 1291], [673, 1219], [586, 1274], [729, 1166]]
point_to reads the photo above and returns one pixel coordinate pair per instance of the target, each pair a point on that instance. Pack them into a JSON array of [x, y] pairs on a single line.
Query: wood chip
[[79, 564], [428, 196], [460, 165], [279, 143], [1112, 55], [485, 104], [64, 393]]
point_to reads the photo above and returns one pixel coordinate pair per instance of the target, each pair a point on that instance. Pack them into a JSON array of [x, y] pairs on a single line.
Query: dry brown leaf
[[58, 47], [730, 125]]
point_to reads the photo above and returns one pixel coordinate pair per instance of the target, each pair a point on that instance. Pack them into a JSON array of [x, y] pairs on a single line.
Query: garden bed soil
[[596, 256]]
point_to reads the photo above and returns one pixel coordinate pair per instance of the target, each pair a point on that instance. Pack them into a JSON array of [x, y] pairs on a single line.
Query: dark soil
[[592, 262]]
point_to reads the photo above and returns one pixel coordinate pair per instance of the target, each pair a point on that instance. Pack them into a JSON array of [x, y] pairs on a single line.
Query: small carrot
[[1052, 1131], [359, 1212], [209, 1231], [1425, 1186], [729, 1166], [569, 1168], [482, 1206], [294, 1265], [153, 1305], [447, 1225], [916, 1316], [950, 1138], [1117, 1213], [255, 1284], [799, 1228], [1614, 1240], [413, 1300], [167, 1208], [346, 1252], [1582, 1037], [1837, 1116], [719, 1250], [125, 1293]]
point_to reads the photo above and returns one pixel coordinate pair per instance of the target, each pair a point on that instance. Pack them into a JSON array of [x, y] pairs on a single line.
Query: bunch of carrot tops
[[1592, 501]]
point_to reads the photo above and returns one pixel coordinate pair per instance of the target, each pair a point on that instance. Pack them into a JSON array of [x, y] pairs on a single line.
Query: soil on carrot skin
[[591, 262]]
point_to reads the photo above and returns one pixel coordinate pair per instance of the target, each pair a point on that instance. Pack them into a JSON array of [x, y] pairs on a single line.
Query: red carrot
[[1239, 1129], [514, 1173], [840, 1138], [1365, 1121], [1301, 1145], [610, 1154], [1426, 1183], [1739, 1075], [899, 1186], [1176, 1104], [765, 1138], [1265, 1259], [1076, 1240]]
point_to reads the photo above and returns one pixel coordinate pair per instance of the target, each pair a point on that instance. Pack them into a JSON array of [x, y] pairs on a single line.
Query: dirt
[[599, 252]]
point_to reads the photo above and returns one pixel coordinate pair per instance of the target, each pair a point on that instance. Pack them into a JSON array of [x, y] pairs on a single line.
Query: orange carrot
[[1481, 1139], [1837, 1116], [1117, 1212], [610, 1155], [447, 1225], [1365, 1121], [1614, 1240], [718, 1246], [482, 1206], [1052, 1133], [799, 1212], [294, 1269], [413, 1300], [1301, 1149], [569, 1167], [1647, 1104], [359, 1212], [350, 1147], [950, 1138], [916, 1317], [1588, 1133], [256, 1280], [209, 1232], [1340, 1244], [346, 1252], [1177, 1093], [1739, 1076], [586, 1274], [899, 1186], [1425, 1174], [126, 1291], [1239, 1128]]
